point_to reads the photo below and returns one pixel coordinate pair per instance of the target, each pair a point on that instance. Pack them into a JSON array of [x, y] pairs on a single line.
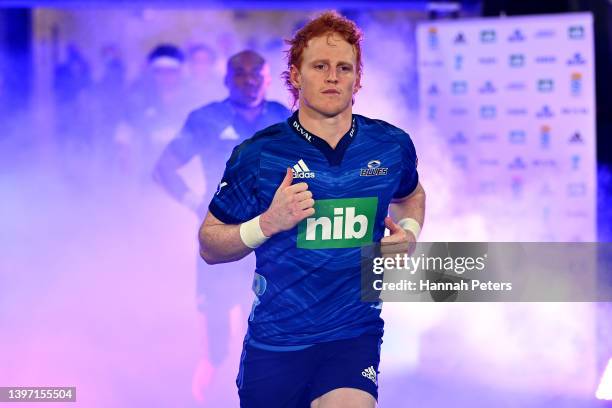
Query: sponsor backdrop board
[[513, 101]]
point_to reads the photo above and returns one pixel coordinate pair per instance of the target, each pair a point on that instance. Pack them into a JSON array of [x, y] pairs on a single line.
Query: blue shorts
[[292, 379]]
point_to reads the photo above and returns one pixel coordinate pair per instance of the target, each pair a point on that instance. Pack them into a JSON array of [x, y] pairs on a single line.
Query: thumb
[[288, 178], [393, 227]]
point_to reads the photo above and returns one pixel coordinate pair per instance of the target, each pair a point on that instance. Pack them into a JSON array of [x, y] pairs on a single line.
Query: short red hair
[[329, 22]]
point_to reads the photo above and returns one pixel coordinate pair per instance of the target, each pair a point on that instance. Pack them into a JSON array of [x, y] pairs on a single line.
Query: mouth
[[331, 92], [250, 93]]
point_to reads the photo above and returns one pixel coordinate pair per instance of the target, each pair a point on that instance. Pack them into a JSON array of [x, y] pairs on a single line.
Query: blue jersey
[[307, 280], [213, 130]]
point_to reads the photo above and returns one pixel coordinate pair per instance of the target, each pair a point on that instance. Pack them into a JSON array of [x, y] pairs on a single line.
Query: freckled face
[[327, 78]]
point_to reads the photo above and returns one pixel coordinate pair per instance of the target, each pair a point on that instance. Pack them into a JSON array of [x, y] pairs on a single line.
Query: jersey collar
[[333, 156]]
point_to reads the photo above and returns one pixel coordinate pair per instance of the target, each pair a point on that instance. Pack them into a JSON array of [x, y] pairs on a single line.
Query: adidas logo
[[229, 133], [301, 171], [370, 373]]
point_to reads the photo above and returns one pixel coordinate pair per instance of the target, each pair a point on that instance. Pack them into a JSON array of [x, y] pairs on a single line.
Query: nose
[[332, 78]]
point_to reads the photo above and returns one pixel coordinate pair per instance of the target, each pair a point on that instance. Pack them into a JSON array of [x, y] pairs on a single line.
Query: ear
[[357, 85], [295, 77]]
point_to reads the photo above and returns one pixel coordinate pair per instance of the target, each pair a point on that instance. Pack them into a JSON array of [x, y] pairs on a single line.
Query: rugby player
[[305, 195]]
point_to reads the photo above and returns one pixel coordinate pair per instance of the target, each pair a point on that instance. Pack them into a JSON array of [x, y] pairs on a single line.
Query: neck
[[330, 129], [249, 113]]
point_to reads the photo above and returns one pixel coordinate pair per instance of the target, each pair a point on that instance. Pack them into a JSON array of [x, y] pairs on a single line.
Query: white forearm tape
[[251, 233], [410, 224]]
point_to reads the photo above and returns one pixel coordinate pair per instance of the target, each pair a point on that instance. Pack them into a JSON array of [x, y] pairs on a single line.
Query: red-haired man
[[306, 195]]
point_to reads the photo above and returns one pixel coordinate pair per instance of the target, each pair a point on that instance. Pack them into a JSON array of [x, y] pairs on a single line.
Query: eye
[[319, 66]]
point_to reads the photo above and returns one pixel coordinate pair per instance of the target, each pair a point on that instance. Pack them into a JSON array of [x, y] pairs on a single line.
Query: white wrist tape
[[251, 233], [410, 224]]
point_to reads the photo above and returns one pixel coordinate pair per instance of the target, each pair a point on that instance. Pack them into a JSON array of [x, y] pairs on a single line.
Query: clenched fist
[[399, 241], [290, 205]]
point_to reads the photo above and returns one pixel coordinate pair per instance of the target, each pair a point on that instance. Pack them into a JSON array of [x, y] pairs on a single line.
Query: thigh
[[345, 397], [274, 379], [348, 364]]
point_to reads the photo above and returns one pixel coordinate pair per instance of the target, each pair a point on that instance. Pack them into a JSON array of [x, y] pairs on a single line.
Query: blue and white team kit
[[309, 332]]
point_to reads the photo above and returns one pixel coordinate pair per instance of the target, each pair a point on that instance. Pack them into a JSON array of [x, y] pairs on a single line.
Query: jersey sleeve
[[236, 198], [409, 175]]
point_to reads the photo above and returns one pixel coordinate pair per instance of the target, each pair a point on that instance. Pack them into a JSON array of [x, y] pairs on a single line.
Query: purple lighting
[[604, 391]]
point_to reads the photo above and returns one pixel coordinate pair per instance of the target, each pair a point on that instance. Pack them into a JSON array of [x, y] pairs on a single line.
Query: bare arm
[[166, 174], [220, 242], [411, 206]]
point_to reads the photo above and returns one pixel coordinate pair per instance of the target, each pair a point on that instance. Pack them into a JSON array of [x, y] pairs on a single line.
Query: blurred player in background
[[211, 132], [158, 103]]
